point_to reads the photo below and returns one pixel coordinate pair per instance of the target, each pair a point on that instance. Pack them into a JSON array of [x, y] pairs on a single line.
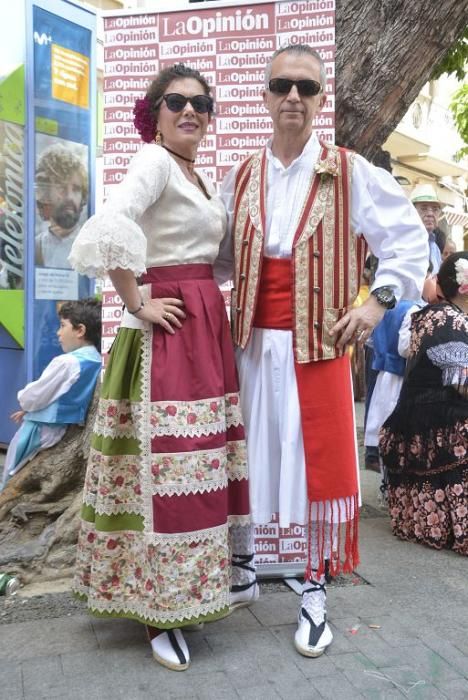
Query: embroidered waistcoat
[[327, 257], [72, 406]]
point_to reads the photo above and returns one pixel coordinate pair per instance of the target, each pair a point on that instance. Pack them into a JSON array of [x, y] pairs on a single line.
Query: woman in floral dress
[[424, 442], [167, 480]]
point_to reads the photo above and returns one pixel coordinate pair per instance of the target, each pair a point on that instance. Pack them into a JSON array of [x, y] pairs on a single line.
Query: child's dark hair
[[86, 312], [447, 275]]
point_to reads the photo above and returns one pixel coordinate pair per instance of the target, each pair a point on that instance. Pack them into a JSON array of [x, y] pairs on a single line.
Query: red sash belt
[[274, 308], [326, 404]]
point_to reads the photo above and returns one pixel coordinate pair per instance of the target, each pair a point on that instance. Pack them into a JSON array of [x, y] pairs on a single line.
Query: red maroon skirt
[[194, 381]]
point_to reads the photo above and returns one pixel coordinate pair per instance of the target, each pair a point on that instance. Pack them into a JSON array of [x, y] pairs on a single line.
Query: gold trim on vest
[[327, 258]]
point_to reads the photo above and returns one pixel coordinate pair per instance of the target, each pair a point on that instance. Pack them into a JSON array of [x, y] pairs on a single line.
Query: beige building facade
[[423, 149]]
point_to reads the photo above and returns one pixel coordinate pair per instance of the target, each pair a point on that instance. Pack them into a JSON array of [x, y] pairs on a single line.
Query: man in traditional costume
[[301, 215]]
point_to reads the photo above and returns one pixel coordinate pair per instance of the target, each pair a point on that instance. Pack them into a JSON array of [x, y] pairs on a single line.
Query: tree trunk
[[386, 51], [40, 506]]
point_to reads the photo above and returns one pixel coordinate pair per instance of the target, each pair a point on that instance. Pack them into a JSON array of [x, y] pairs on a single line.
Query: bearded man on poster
[[61, 195], [301, 216]]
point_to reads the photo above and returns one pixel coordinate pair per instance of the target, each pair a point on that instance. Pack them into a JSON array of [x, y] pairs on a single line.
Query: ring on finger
[[167, 315]]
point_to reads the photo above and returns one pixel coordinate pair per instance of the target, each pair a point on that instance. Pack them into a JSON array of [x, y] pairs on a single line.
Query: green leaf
[[455, 60], [459, 109]]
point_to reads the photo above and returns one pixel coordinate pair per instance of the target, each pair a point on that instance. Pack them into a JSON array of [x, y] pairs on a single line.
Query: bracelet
[[136, 310]]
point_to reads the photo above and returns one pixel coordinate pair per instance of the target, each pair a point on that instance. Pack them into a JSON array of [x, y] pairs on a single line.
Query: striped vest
[[327, 257]]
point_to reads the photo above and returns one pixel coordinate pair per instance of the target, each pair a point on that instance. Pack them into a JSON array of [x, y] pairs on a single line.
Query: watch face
[[385, 296]]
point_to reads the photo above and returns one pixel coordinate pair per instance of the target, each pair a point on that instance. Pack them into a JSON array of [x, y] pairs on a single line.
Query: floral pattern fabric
[[122, 572], [116, 418], [435, 325], [424, 442], [114, 482], [435, 516]]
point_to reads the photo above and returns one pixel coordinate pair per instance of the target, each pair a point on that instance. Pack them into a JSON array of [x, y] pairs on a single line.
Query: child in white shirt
[[63, 392]]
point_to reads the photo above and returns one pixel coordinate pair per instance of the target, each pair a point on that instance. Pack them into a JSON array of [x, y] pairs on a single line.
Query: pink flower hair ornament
[[144, 122], [461, 268]]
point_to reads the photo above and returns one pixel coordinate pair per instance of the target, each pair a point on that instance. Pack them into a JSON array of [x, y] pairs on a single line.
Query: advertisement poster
[[11, 205], [12, 199], [13, 214], [230, 46], [62, 119]]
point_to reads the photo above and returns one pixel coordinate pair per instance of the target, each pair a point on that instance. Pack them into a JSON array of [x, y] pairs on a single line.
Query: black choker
[[188, 160]]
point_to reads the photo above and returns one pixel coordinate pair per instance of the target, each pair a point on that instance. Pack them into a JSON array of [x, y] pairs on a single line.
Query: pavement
[[400, 631]]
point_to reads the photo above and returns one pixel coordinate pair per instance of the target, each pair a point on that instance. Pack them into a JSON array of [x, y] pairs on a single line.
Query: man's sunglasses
[[305, 88], [176, 102]]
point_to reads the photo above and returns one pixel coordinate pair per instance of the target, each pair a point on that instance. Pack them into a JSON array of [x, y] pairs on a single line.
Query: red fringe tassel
[[351, 543]]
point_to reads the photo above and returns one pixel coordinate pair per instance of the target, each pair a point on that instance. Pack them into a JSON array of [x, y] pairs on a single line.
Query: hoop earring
[[158, 138]]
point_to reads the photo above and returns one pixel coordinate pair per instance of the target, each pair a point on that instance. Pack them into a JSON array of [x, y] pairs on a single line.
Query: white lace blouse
[[155, 217]]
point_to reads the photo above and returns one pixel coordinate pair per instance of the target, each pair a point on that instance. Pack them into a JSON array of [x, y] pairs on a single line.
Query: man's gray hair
[[300, 50]]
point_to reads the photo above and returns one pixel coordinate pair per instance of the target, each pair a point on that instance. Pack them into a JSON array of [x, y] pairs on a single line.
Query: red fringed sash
[[326, 403]]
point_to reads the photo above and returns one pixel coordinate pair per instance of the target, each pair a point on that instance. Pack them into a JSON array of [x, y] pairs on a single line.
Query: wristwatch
[[385, 296]]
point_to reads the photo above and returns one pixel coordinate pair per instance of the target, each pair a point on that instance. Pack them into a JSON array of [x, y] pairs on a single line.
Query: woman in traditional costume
[[424, 442], [166, 491]]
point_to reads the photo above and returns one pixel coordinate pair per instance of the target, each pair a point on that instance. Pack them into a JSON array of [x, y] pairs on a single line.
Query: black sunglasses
[[176, 102], [305, 88]]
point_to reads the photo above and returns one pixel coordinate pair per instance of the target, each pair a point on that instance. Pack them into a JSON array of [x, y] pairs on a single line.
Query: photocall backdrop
[[230, 45]]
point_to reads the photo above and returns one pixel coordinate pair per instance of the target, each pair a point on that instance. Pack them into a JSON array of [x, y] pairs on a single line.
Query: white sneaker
[[170, 650], [244, 597], [313, 633], [311, 639]]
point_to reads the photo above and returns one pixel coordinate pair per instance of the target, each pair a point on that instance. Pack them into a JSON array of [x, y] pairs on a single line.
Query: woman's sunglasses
[[305, 88], [176, 102]]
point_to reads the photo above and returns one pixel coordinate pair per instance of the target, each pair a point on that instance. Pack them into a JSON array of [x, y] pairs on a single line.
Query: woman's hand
[[17, 416], [166, 312]]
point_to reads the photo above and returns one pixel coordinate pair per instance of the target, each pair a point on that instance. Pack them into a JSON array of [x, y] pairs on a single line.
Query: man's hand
[[17, 416], [358, 324]]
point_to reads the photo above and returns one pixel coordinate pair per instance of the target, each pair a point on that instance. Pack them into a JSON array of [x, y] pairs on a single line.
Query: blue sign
[[64, 133]]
